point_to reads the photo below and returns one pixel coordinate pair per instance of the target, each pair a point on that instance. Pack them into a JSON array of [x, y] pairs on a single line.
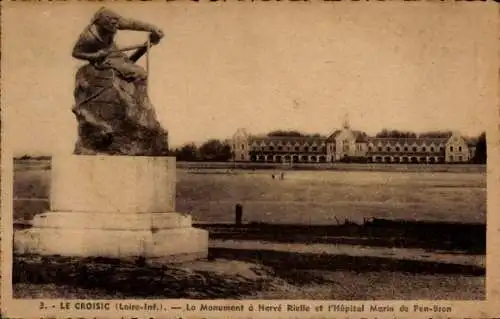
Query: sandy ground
[[226, 279]]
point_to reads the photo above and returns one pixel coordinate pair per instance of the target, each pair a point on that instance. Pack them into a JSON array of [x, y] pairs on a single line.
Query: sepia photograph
[[239, 151]]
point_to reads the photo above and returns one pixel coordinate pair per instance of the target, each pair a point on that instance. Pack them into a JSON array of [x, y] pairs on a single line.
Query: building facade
[[350, 145]]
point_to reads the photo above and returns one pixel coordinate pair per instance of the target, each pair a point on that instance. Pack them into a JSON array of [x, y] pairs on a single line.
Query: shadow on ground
[[237, 274], [428, 235]]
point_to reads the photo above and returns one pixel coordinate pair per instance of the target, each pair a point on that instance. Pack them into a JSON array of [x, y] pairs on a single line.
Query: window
[[280, 148], [306, 148], [369, 148], [451, 158], [388, 149], [460, 148], [432, 149], [414, 148], [397, 149], [380, 148], [314, 148], [271, 148], [460, 158], [451, 148], [406, 148], [423, 149], [296, 148], [242, 146], [242, 156]]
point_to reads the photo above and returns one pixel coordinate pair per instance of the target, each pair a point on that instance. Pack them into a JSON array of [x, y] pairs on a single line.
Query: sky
[[264, 66]]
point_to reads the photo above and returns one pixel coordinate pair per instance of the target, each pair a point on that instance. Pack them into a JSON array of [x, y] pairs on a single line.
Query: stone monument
[[115, 196]]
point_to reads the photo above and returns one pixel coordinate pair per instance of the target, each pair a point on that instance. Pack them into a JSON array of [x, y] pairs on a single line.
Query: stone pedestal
[[113, 206]]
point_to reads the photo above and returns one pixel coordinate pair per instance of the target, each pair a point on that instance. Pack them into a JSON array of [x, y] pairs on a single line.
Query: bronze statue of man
[[112, 107]]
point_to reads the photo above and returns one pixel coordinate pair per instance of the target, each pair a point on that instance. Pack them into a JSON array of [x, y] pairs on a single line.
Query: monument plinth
[[115, 197], [113, 206]]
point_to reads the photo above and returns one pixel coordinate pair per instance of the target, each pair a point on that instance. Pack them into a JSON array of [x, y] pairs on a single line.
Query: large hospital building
[[348, 144]]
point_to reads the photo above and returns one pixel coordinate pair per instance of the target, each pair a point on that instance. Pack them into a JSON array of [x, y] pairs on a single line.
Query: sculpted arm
[[135, 25], [83, 49]]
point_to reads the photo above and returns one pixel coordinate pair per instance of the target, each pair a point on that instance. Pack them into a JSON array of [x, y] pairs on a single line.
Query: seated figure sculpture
[[112, 107]]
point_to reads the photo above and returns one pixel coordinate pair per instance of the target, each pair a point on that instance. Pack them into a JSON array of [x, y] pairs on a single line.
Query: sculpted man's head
[[106, 19]]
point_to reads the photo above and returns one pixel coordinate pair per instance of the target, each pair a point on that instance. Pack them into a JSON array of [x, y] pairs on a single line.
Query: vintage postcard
[[250, 159]]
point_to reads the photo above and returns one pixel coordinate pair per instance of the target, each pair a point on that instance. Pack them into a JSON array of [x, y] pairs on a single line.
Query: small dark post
[[238, 211]]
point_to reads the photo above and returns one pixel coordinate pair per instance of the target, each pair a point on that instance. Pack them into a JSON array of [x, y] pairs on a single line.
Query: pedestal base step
[[169, 245], [112, 220]]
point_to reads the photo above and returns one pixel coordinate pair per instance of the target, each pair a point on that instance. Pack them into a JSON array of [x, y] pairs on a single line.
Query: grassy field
[[303, 197], [325, 197]]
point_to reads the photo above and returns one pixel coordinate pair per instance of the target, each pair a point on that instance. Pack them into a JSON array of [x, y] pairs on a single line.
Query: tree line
[[212, 150]]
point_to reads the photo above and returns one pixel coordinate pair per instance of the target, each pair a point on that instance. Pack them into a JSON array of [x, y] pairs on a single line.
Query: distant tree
[[315, 135], [215, 150], [436, 134], [386, 133], [286, 133], [480, 154], [188, 152]]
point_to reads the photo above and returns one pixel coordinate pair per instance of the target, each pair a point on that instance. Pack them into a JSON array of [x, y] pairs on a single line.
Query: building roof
[[360, 137], [471, 141], [334, 135], [408, 140], [288, 139]]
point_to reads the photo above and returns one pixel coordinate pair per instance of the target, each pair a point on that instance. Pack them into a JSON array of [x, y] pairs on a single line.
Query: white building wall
[[240, 146], [457, 150]]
